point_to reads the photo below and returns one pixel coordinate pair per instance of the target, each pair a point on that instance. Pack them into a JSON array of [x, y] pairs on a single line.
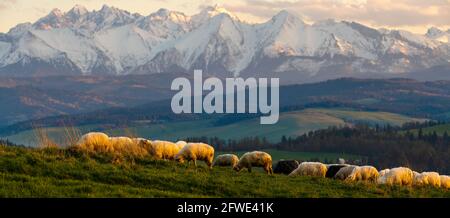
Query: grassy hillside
[[63, 173], [290, 124]]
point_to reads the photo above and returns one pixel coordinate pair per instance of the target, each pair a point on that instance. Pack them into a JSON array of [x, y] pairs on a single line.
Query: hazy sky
[[412, 15]]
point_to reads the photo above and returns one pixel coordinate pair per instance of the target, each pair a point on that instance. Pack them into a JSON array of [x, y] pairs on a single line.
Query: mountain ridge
[[117, 42]]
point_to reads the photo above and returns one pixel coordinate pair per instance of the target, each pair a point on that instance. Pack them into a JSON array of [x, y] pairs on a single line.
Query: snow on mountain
[[128, 46], [438, 35], [114, 41], [165, 24], [209, 12]]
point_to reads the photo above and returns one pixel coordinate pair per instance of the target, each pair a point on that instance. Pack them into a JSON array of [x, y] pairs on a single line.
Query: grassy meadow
[[439, 129], [293, 123], [53, 172]]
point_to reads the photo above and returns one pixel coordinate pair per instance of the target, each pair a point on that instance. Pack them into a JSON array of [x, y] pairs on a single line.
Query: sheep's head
[[179, 158], [237, 168], [144, 143]]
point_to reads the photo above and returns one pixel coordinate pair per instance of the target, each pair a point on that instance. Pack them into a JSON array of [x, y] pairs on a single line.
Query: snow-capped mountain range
[[114, 41]]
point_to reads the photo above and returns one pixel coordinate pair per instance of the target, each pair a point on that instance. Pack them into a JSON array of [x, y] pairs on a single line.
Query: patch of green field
[[26, 172], [293, 123], [367, 101], [439, 129], [381, 118]]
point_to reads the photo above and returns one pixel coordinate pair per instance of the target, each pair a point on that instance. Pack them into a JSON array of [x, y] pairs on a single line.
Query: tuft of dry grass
[[42, 138], [71, 135]]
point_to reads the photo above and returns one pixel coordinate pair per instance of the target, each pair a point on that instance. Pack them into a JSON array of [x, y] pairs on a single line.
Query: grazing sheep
[[128, 146], [419, 179], [163, 149], [332, 169], [226, 160], [255, 159], [181, 144], [119, 143], [427, 179], [383, 172], [95, 142], [344, 172], [433, 178], [364, 173], [196, 151], [286, 166], [138, 141], [445, 181], [310, 169], [397, 176]]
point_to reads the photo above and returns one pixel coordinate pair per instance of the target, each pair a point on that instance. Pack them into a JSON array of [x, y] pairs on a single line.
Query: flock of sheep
[[182, 151], [402, 176]]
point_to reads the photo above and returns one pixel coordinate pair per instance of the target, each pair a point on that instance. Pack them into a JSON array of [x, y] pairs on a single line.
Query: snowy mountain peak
[[438, 35], [165, 14], [433, 31], [78, 10], [162, 12], [209, 12], [286, 19], [215, 10], [55, 19], [105, 8], [56, 12], [284, 14]]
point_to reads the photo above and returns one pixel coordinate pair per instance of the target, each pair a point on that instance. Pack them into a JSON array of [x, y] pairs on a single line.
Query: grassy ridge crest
[[53, 172]]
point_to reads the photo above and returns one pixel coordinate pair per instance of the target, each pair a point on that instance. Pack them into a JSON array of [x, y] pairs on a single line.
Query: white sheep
[[181, 144], [310, 169], [128, 146], [95, 142], [363, 173], [138, 140], [118, 143], [162, 149], [226, 160], [383, 172], [397, 176], [445, 181], [255, 159], [344, 172], [196, 151], [427, 179]]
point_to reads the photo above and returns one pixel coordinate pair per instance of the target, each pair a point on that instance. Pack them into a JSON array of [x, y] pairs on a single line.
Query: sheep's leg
[[210, 165], [270, 170], [195, 162], [249, 169]]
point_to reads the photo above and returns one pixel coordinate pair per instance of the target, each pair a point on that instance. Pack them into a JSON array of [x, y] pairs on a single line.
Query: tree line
[[382, 146]]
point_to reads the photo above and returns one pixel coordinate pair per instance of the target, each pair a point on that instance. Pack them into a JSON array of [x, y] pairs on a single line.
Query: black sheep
[[332, 169], [286, 166]]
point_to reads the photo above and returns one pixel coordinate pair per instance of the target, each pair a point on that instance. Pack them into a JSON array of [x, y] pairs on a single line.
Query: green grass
[[26, 172], [290, 124], [439, 129], [380, 118]]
